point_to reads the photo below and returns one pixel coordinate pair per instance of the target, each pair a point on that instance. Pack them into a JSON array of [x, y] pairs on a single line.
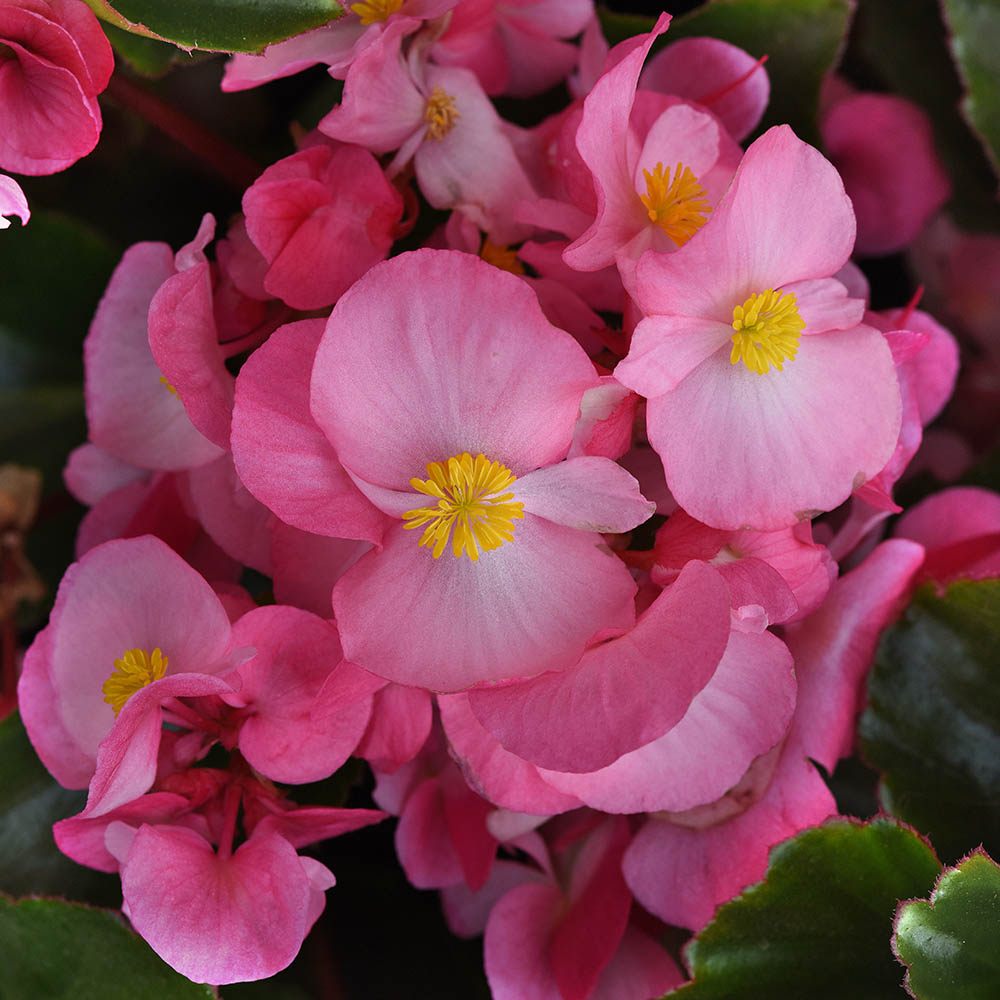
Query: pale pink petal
[[786, 444], [528, 606], [589, 493], [639, 969], [131, 412], [92, 473], [467, 912], [824, 305], [12, 202], [246, 921], [623, 693], [405, 376]]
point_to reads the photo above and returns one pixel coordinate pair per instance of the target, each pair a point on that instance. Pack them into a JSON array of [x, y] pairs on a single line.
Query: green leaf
[[218, 25], [907, 50], [975, 44], [802, 39], [950, 943], [933, 720], [30, 802], [53, 950], [819, 924], [147, 56]]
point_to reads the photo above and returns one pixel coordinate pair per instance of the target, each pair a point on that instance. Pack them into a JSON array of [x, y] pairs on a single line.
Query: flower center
[[440, 114], [767, 329], [133, 671], [501, 256], [371, 11], [679, 206], [472, 500]]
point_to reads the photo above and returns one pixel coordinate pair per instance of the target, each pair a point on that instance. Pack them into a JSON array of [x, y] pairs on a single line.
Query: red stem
[[226, 160]]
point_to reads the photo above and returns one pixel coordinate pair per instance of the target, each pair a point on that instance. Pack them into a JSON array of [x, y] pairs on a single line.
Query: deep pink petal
[[623, 693], [399, 725]]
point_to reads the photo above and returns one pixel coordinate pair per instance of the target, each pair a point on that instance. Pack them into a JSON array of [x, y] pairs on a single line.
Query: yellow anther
[[132, 672], [163, 381], [473, 498], [371, 11], [440, 114], [767, 329], [680, 206], [501, 256]]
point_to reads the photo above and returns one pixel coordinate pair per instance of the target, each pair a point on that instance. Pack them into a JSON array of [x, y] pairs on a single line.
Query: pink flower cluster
[[439, 456]]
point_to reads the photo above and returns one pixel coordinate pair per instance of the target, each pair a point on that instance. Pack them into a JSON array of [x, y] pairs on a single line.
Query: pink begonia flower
[[54, 61], [960, 529], [12, 202], [515, 47], [715, 74], [883, 147], [805, 569], [571, 938], [785, 417], [133, 411], [440, 118], [336, 44], [129, 615], [478, 392], [682, 866], [329, 203], [658, 165]]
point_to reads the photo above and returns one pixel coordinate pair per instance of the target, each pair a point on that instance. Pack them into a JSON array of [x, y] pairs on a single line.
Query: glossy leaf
[[218, 25], [975, 44], [147, 56], [949, 943], [802, 39], [64, 951], [819, 924], [933, 721], [30, 802]]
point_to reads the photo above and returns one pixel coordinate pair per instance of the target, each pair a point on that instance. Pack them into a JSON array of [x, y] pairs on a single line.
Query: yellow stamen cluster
[[767, 329], [371, 11], [502, 257], [163, 381], [132, 672], [440, 114], [678, 206], [473, 499]]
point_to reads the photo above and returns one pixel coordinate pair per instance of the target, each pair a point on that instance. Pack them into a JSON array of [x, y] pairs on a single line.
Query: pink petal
[[623, 693], [247, 918], [399, 726], [309, 825], [528, 606], [405, 376], [281, 455], [12, 202]]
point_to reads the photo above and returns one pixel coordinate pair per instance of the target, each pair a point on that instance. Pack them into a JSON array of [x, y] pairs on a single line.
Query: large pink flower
[[451, 401], [785, 417], [54, 61]]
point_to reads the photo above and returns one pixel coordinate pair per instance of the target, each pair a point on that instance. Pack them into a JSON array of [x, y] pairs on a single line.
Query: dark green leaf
[[30, 802], [950, 943], [145, 55], [933, 721], [53, 950], [218, 25], [801, 38], [907, 50], [819, 925], [975, 44]]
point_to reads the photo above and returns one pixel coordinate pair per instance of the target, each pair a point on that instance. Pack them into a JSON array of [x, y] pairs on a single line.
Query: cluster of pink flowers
[[438, 456]]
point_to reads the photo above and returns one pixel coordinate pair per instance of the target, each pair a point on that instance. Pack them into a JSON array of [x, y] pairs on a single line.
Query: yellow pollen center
[[132, 672], [473, 499], [767, 329], [163, 381], [440, 114], [679, 206], [371, 11], [502, 257]]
